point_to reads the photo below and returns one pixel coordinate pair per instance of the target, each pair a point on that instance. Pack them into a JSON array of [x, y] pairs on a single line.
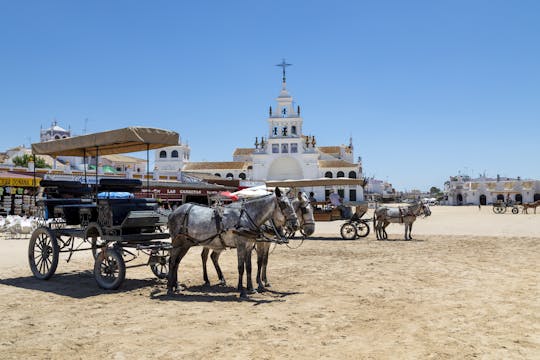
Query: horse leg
[[265, 264], [384, 226], [263, 249], [406, 228], [243, 251], [177, 253], [215, 259], [410, 231], [260, 250], [204, 257]]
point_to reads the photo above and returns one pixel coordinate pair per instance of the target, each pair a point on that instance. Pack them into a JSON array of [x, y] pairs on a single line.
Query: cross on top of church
[[283, 65]]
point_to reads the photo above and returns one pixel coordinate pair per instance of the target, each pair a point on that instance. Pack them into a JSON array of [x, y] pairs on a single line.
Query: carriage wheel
[[109, 269], [348, 231], [160, 266], [515, 210], [499, 209], [362, 229], [43, 253]]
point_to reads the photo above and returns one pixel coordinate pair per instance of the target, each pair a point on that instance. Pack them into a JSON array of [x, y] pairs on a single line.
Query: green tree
[[434, 190], [23, 161]]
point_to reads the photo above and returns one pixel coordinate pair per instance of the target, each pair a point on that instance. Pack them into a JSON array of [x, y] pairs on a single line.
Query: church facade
[[287, 154]]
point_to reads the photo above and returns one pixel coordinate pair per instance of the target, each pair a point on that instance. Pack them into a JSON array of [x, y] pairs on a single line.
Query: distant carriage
[[500, 207], [355, 226]]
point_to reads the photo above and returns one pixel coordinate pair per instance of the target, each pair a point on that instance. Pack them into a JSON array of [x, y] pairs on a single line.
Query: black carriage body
[[109, 225]]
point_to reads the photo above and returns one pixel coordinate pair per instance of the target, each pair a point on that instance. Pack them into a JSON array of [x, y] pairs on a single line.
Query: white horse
[[237, 225], [383, 216], [304, 212]]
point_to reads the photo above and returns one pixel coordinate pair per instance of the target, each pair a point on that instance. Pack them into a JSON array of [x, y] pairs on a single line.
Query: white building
[[287, 154], [380, 190], [170, 161], [463, 190]]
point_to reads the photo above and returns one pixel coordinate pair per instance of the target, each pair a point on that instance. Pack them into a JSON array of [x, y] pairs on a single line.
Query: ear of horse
[[277, 191]]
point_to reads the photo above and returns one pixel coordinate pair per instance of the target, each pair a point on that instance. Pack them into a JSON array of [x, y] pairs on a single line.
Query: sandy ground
[[466, 287]]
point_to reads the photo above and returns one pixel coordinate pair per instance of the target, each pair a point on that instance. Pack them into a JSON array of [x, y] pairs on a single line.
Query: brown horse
[[532, 205]]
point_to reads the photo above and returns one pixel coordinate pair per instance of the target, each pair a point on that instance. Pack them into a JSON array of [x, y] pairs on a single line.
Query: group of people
[[336, 201]]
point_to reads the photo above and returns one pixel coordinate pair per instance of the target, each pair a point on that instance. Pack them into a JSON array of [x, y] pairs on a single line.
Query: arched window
[[217, 174], [352, 174], [174, 154], [229, 176], [328, 174], [57, 137], [242, 176], [162, 154], [293, 130], [340, 174]]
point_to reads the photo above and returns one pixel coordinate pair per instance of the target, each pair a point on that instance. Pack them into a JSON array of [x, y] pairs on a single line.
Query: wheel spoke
[[38, 263]]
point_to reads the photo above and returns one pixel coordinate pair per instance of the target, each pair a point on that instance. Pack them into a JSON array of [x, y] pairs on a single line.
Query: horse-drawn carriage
[[500, 207], [79, 216], [354, 226]]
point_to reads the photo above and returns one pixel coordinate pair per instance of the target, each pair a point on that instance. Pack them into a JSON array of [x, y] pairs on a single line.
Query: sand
[[466, 287]]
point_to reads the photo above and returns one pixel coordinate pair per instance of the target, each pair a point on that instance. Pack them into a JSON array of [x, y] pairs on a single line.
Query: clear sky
[[426, 89]]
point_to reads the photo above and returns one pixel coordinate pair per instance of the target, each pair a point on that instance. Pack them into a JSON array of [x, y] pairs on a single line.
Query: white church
[[285, 154]]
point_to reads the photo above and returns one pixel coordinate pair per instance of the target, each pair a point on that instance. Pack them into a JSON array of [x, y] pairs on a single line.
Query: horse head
[[284, 213], [304, 212], [425, 210]]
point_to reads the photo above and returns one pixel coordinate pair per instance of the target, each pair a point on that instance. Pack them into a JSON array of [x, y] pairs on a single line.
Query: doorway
[[482, 199]]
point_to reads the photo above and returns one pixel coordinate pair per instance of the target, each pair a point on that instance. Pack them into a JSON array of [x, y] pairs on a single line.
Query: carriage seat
[[51, 204], [120, 208], [73, 214], [127, 185], [60, 188]]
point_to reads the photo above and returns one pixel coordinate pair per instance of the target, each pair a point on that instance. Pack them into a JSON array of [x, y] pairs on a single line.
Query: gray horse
[[236, 225], [383, 216], [304, 212]]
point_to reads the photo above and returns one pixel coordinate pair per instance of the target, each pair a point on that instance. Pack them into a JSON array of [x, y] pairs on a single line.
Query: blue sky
[[426, 89]]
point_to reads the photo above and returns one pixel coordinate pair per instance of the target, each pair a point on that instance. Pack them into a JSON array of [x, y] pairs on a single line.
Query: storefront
[[17, 194]]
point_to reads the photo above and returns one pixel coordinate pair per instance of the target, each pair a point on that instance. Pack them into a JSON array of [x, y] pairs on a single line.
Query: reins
[[253, 230]]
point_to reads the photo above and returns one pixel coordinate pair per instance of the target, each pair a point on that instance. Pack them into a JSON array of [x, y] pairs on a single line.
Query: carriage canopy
[[126, 140]]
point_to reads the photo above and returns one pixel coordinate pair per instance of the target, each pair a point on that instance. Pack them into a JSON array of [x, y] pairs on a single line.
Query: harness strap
[[219, 227]]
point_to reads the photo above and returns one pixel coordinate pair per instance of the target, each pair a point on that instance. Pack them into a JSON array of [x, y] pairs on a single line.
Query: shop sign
[[19, 182]]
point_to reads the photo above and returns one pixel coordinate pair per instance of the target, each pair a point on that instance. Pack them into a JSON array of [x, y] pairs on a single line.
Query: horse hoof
[[170, 292], [261, 289], [267, 285], [206, 284], [243, 294], [222, 283], [252, 291]]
